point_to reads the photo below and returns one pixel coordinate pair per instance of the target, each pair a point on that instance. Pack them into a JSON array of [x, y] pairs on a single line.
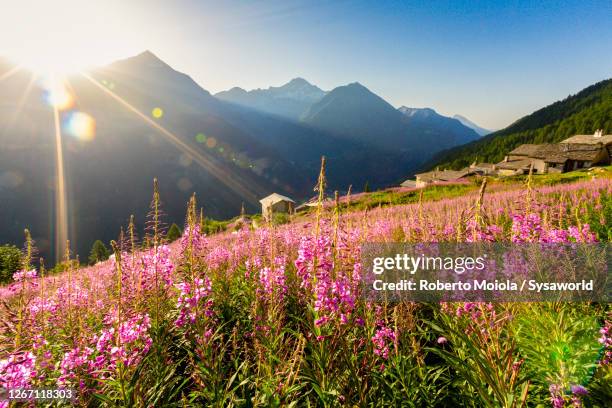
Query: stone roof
[[560, 153], [525, 150], [444, 175], [590, 139], [409, 183], [274, 198], [483, 166], [515, 164]]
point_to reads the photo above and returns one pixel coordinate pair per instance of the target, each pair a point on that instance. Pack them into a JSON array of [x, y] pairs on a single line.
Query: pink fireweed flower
[[17, 371], [383, 338], [272, 281], [23, 280], [73, 362], [40, 305], [556, 396], [193, 299], [193, 236], [526, 227], [309, 251], [217, 257], [156, 264], [582, 235], [128, 344], [606, 341], [24, 275]]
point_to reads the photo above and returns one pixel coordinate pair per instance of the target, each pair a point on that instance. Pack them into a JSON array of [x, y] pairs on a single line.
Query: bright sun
[[60, 37]]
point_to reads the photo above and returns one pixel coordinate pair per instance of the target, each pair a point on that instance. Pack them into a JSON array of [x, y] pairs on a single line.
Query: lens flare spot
[[56, 94], [81, 125], [10, 179], [185, 160], [211, 142], [184, 184], [200, 138], [157, 113]]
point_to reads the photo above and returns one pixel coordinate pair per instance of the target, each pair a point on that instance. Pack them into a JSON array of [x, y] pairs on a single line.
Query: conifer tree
[[99, 252]]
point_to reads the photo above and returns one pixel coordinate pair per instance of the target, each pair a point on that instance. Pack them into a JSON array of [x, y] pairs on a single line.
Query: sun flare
[[64, 37]]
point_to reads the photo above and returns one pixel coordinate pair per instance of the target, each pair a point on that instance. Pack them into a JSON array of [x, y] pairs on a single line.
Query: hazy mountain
[[290, 100], [582, 113], [447, 130], [110, 177], [480, 130], [226, 153], [355, 113]]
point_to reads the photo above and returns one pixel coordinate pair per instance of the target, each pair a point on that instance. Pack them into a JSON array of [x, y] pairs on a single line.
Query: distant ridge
[[480, 130], [290, 100], [582, 113]]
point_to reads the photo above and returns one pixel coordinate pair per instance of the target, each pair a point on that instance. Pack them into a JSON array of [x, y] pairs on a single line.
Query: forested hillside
[[583, 113]]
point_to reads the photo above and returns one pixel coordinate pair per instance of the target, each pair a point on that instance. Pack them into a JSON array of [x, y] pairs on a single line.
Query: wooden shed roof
[[274, 198]]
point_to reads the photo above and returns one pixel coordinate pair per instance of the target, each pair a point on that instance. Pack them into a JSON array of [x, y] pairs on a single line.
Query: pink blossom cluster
[[528, 228], [157, 268], [606, 341], [556, 396], [40, 305], [194, 238], [384, 338], [193, 300], [73, 294], [24, 275], [17, 371], [23, 280], [272, 285], [124, 344]]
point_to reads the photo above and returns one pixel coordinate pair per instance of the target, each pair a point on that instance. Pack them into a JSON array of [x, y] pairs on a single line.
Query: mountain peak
[[145, 58], [356, 85], [420, 112], [298, 82]]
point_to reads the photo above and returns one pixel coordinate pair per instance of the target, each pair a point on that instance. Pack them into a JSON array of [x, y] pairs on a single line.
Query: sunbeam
[[10, 72], [207, 164], [22, 100], [61, 204]]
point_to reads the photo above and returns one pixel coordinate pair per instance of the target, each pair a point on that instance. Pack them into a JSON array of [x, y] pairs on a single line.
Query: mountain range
[[290, 100], [353, 112], [152, 121]]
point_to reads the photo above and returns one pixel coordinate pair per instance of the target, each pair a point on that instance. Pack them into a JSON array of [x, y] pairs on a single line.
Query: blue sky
[[490, 61]]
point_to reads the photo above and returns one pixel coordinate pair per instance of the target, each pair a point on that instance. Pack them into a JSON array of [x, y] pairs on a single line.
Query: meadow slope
[[274, 316]]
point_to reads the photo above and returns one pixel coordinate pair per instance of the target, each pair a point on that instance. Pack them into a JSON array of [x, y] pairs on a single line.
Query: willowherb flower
[[556, 396], [40, 305], [606, 341], [125, 345], [526, 227], [24, 275], [17, 371], [74, 362], [272, 281], [578, 389], [156, 268], [383, 338], [193, 237], [193, 300]]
